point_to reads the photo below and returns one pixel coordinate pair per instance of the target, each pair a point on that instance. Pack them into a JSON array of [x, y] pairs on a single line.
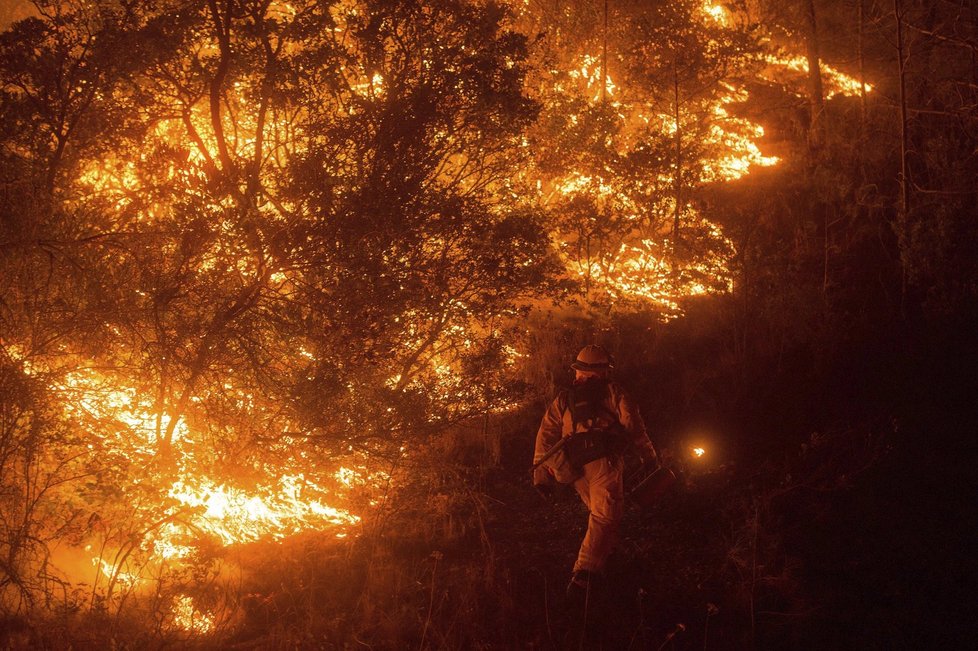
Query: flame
[[124, 426], [736, 136], [185, 616], [112, 571], [589, 71], [196, 500], [837, 82], [371, 88], [643, 270], [716, 12], [237, 516]]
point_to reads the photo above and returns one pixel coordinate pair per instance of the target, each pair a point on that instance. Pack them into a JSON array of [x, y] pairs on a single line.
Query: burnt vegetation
[[286, 286]]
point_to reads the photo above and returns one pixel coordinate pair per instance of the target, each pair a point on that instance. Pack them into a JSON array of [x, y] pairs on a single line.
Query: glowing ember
[[699, 452], [187, 618], [716, 12], [590, 72]]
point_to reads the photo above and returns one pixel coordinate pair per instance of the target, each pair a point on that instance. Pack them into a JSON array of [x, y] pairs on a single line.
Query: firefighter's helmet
[[593, 358]]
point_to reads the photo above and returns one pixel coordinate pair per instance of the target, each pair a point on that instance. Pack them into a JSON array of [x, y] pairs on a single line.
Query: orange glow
[[716, 12], [177, 494], [836, 82], [199, 503], [590, 73], [111, 571], [291, 505], [186, 617]]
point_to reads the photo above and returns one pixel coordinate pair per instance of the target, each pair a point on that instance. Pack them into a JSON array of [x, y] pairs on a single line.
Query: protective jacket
[[558, 422], [600, 485]]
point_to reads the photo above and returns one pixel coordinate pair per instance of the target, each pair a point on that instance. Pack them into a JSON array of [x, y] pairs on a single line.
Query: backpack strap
[[597, 408]]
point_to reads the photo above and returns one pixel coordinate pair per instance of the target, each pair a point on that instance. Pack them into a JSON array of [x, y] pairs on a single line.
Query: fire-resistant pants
[[602, 490]]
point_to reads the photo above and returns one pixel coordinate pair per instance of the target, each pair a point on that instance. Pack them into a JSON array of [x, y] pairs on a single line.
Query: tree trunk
[[587, 277], [903, 208], [815, 93], [604, 56], [862, 70], [678, 172]]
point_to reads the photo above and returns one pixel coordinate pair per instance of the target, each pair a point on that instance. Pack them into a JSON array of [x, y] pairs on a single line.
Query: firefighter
[[594, 408]]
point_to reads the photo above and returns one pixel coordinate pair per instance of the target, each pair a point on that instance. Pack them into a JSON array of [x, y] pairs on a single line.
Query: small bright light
[[699, 452]]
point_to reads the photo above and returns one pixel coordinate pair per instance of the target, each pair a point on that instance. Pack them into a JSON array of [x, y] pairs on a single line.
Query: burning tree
[[245, 243], [253, 253], [644, 108], [636, 119]]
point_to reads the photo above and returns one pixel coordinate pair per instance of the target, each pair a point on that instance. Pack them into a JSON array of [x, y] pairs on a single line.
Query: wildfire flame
[[201, 504], [279, 510], [837, 82], [198, 501], [636, 271], [185, 616]]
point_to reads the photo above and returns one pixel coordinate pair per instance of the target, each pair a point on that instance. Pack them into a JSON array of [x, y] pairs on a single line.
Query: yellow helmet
[[593, 358]]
